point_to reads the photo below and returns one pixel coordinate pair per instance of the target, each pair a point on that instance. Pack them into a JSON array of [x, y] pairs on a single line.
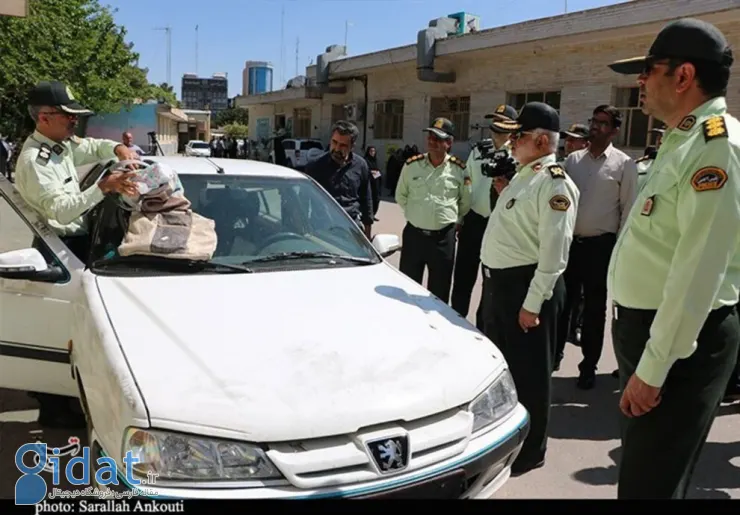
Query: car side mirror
[[387, 244], [28, 264]]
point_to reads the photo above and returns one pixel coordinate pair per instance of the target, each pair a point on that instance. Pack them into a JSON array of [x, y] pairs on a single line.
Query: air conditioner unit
[[353, 112]]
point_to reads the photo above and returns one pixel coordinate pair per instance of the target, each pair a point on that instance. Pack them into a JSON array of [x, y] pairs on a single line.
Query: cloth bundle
[[162, 222]]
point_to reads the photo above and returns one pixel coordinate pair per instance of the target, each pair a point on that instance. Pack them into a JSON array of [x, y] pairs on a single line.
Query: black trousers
[[467, 263], [529, 355], [588, 265], [661, 448], [432, 249]]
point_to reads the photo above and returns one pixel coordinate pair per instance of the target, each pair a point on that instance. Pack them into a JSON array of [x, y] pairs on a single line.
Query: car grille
[[343, 460]]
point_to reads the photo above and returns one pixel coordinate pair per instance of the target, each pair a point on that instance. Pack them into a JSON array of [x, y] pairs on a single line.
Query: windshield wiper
[[173, 263], [284, 256]]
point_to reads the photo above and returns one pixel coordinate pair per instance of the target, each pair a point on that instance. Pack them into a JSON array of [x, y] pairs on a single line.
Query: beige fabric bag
[[167, 227]]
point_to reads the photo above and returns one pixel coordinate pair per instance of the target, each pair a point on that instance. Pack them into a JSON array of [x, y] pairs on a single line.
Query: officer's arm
[[627, 190], [558, 207], [402, 188], [708, 217], [91, 150], [464, 199], [44, 185]]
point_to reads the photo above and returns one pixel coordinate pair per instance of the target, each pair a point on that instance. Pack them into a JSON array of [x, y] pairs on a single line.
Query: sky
[[231, 32]]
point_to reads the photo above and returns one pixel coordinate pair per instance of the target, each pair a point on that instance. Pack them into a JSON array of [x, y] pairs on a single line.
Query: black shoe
[[615, 374], [519, 468], [586, 381], [731, 395], [376, 219]]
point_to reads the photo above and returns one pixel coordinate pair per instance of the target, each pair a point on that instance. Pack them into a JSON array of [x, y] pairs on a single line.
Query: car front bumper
[[477, 473]]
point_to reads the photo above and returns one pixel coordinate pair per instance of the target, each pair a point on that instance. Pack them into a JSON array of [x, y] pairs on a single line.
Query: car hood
[[276, 356]]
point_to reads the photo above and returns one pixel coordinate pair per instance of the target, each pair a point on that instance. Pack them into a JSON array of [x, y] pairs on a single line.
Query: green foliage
[[236, 130], [237, 115], [76, 42]]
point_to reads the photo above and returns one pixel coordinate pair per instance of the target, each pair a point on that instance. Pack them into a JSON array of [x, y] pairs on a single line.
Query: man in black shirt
[[345, 175]]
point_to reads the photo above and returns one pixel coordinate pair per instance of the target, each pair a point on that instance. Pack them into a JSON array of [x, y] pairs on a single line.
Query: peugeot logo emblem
[[390, 454]]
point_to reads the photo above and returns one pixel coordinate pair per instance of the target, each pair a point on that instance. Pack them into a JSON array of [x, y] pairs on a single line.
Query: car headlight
[[495, 403], [173, 456]]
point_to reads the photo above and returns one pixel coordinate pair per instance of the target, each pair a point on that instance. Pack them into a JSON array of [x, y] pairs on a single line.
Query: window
[[388, 121], [14, 233], [455, 109], [337, 113], [551, 98], [302, 122], [636, 125]]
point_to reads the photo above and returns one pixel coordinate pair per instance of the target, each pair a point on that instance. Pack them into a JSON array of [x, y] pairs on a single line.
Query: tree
[[76, 42], [234, 115], [236, 130]]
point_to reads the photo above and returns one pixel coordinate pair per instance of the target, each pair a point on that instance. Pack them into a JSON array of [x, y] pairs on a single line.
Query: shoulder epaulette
[[457, 161], [415, 158], [714, 128], [44, 154], [556, 171]]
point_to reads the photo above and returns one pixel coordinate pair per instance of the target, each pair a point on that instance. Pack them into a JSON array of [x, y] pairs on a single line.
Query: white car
[[299, 152], [197, 149], [297, 363]]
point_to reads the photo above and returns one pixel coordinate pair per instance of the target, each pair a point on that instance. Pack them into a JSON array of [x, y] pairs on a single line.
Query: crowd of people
[[562, 240]]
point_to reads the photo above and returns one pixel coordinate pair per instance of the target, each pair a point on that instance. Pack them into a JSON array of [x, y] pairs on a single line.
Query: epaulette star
[[457, 161], [714, 128], [556, 171], [415, 158]]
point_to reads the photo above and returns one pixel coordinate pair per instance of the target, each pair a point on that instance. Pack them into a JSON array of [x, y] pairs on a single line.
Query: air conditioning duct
[[426, 45]]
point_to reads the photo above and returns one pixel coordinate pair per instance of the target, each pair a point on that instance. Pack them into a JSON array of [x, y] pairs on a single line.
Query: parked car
[[257, 374], [297, 151], [198, 149]]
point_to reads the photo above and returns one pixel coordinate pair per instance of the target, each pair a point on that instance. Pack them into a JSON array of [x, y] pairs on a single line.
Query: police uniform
[[434, 200], [46, 178], [674, 278], [524, 253], [470, 237], [644, 163]]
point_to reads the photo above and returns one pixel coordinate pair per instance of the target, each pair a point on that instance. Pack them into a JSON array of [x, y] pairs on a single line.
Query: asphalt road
[[584, 438]]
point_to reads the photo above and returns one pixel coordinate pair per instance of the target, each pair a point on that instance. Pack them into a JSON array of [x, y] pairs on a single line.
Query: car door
[[36, 314]]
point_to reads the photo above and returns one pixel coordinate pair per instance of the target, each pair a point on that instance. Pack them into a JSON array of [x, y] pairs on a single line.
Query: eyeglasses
[[600, 123], [520, 134], [652, 62]]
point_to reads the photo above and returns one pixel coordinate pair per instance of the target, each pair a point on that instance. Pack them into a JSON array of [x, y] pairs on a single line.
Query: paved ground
[[583, 446]]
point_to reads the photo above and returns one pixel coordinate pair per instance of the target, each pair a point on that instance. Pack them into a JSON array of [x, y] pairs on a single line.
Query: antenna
[[168, 32], [347, 25], [282, 45], [196, 50], [297, 46]]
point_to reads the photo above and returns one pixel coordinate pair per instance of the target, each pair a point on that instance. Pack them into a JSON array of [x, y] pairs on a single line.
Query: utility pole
[[297, 46], [347, 25], [196, 50], [566, 6], [168, 33]]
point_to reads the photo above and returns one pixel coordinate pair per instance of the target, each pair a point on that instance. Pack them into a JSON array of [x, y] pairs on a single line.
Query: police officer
[[576, 138], [675, 271], [47, 180], [434, 193], [643, 163], [524, 253], [484, 197]]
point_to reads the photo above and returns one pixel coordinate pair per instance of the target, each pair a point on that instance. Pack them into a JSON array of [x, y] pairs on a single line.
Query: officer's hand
[[528, 320], [499, 183], [119, 182], [638, 397], [368, 231], [126, 154]]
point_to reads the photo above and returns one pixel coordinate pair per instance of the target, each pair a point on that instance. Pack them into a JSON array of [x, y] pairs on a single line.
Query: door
[[35, 315]]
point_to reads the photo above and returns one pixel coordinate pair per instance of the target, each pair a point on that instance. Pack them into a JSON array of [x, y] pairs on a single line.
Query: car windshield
[[308, 145], [199, 144], [261, 223]]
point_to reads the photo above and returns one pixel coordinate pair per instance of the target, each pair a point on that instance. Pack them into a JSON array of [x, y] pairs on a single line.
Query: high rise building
[[256, 78], [205, 93]]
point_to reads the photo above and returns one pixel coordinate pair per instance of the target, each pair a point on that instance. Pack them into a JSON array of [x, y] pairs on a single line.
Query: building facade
[[205, 93], [257, 78], [560, 60], [140, 120]]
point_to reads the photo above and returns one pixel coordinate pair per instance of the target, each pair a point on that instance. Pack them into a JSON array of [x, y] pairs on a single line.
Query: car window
[[308, 145], [289, 144], [16, 233], [199, 144], [259, 217]]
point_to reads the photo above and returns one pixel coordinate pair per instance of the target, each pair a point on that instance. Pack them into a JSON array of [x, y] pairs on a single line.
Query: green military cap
[[56, 94]]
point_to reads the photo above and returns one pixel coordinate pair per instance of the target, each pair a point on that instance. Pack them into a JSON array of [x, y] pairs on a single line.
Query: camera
[[498, 163]]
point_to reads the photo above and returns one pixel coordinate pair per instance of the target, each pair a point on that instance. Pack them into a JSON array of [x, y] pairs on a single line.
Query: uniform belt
[[619, 311], [434, 232], [584, 239]]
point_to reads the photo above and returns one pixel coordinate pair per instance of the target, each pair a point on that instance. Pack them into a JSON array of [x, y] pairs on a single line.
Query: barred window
[[388, 119], [551, 98]]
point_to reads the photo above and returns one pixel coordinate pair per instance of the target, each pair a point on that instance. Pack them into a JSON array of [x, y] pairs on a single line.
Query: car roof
[[210, 166]]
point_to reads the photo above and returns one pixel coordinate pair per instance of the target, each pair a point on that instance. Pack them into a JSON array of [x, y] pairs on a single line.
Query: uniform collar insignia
[[687, 123]]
